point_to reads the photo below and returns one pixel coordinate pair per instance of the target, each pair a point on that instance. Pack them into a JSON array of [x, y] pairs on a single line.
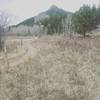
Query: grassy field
[[50, 68]]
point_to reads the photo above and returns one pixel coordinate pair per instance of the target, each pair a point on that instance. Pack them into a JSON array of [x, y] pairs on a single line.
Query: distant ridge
[[28, 22], [53, 10]]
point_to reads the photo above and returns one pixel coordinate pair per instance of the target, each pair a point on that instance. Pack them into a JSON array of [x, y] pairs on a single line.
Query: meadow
[[50, 68]]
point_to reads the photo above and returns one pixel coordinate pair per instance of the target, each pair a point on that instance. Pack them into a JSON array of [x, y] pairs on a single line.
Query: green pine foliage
[[54, 23], [84, 20], [98, 15]]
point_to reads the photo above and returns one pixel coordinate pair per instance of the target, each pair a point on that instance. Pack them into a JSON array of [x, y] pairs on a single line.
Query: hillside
[[28, 22], [53, 10]]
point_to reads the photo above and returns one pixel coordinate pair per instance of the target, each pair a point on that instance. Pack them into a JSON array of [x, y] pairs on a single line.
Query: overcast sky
[[22, 9]]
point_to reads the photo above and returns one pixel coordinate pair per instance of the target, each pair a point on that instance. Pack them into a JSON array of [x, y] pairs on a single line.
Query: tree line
[[86, 19], [82, 21]]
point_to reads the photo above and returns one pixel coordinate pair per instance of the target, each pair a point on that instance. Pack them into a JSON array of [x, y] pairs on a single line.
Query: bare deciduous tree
[[4, 22], [67, 25]]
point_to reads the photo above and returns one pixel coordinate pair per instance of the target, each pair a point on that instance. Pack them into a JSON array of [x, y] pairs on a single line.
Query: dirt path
[[29, 51]]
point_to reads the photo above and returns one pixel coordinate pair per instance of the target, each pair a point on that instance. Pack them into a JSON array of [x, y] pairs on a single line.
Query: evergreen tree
[[54, 23], [94, 15], [98, 15], [84, 20]]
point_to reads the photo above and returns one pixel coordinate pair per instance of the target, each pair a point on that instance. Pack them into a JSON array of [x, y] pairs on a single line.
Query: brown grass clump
[[62, 69]]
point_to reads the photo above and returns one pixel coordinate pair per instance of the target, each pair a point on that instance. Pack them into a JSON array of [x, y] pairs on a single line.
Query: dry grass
[[61, 69]]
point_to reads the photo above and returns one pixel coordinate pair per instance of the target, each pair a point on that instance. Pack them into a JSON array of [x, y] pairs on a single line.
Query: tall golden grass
[[63, 69]]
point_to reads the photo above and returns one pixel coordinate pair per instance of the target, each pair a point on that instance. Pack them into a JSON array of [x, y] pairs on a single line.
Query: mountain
[[53, 10], [28, 22]]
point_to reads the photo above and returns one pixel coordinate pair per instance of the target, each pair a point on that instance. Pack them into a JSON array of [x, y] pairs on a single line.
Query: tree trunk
[[84, 35]]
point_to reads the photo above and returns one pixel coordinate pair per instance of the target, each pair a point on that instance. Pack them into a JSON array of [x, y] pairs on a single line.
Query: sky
[[20, 10]]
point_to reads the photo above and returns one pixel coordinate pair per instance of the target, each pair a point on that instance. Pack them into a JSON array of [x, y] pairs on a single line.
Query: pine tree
[[84, 20], [98, 15]]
